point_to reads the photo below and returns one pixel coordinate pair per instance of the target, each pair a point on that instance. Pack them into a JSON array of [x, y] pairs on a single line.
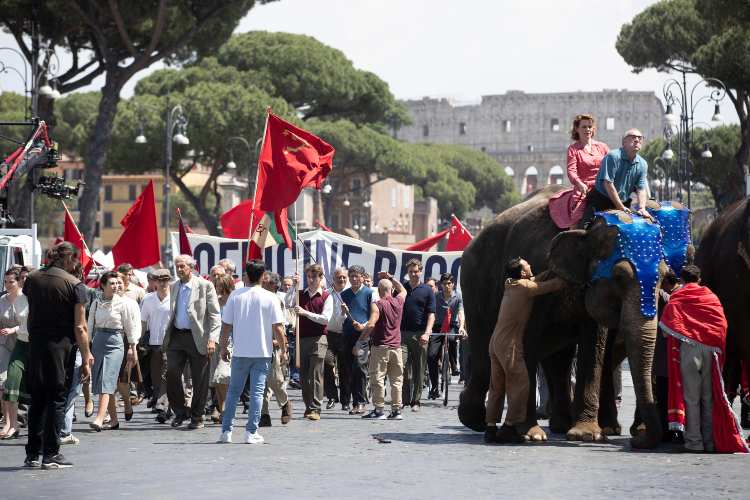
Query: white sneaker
[[253, 438], [226, 437], [69, 439]]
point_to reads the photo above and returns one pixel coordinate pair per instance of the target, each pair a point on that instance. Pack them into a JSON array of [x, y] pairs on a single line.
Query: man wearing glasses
[[622, 172]]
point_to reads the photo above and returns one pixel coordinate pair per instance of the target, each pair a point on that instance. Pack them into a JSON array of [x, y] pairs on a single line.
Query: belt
[[180, 330]]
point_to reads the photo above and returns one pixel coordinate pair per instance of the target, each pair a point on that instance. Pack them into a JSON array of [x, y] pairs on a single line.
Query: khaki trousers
[[695, 367], [385, 360], [275, 383], [312, 357], [508, 378]]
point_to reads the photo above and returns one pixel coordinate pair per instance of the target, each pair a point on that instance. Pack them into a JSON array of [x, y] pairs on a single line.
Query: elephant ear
[[569, 256], [601, 239]]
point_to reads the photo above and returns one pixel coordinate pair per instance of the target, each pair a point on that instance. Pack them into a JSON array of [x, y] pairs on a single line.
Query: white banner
[[328, 249]]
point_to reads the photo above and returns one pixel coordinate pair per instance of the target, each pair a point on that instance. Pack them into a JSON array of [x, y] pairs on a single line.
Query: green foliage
[[718, 173], [316, 79], [189, 214], [75, 116], [707, 37], [11, 109]]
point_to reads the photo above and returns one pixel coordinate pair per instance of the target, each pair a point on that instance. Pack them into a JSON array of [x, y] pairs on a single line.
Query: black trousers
[[357, 373], [48, 367], [181, 350], [435, 353], [597, 202], [335, 360]]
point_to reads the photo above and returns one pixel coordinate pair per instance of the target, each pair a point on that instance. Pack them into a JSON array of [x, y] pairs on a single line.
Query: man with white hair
[[230, 267], [622, 172], [192, 334]]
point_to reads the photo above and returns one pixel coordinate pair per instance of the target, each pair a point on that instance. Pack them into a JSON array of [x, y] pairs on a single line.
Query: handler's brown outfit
[[508, 368]]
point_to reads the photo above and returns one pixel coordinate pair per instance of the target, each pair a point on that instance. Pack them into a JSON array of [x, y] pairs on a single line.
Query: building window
[[462, 128], [506, 125], [393, 197], [425, 130], [107, 193], [406, 197], [555, 175], [107, 220], [609, 123], [131, 192], [554, 125], [356, 185], [97, 230]]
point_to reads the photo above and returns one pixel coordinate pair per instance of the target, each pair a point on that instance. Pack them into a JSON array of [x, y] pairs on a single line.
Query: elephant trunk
[[640, 338]]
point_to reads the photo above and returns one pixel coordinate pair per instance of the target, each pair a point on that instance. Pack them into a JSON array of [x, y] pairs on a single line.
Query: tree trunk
[[100, 139], [207, 218]]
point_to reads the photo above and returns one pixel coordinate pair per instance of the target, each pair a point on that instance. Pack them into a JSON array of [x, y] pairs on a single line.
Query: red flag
[[139, 242], [459, 236], [291, 159], [427, 243], [235, 222], [74, 236], [185, 248]]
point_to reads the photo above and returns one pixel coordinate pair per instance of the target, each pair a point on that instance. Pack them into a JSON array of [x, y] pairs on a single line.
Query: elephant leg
[[614, 355], [557, 371], [640, 342], [471, 408], [589, 363]]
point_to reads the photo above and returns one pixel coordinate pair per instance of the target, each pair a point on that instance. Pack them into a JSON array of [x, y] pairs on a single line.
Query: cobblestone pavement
[[427, 455]]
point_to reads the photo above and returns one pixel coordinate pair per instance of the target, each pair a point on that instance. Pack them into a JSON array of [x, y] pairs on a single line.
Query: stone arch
[[556, 175], [530, 180]]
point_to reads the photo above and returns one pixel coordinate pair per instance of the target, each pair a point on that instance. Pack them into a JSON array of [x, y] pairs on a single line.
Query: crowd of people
[[193, 348]]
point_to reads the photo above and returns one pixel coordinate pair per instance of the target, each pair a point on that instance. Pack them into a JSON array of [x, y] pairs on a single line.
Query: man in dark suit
[[192, 334]]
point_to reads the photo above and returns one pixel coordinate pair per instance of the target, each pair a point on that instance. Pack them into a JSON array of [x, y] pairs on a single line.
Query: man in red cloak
[[697, 331]]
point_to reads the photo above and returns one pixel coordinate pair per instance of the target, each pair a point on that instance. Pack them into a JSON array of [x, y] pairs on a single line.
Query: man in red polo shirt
[[314, 310]]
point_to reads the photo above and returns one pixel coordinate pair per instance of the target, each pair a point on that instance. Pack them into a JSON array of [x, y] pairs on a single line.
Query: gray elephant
[[581, 315]]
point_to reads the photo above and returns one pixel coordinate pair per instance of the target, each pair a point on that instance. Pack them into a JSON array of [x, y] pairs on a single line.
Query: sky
[[462, 50]]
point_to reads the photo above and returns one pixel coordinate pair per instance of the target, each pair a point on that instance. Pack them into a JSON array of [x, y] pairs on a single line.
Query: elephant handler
[[622, 172], [696, 327], [508, 367]]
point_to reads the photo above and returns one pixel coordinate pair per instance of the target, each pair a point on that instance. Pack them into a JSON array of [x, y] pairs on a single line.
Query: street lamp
[[231, 165], [176, 128], [676, 93]]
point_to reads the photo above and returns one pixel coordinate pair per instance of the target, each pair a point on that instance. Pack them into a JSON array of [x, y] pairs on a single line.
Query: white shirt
[[155, 313], [336, 323], [120, 313], [252, 312], [325, 316]]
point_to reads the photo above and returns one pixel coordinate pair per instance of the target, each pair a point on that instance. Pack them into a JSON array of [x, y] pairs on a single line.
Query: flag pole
[[255, 187], [297, 346]]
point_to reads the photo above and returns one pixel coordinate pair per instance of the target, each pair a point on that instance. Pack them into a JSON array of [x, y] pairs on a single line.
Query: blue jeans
[[66, 427], [242, 368]]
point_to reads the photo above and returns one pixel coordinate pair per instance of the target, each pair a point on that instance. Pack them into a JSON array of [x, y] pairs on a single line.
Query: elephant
[[724, 259], [581, 315]]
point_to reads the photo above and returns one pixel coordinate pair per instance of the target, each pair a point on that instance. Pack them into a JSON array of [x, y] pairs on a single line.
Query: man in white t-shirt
[[253, 316], [155, 317]]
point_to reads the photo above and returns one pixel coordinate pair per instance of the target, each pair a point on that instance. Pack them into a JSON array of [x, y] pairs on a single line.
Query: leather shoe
[[265, 421], [178, 421], [286, 412], [196, 424], [128, 416]]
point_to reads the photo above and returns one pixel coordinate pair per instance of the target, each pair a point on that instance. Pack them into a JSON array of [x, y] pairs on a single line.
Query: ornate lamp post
[[677, 94], [231, 165], [176, 122]]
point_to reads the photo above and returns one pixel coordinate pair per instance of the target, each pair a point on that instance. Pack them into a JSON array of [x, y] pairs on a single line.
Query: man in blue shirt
[[416, 327], [356, 306], [622, 172]]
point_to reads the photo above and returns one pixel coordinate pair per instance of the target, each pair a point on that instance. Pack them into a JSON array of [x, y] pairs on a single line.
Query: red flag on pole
[[74, 236], [427, 243], [185, 248], [290, 160], [459, 236], [139, 242]]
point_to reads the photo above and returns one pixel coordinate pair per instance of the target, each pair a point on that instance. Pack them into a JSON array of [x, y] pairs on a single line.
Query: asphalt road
[[426, 455]]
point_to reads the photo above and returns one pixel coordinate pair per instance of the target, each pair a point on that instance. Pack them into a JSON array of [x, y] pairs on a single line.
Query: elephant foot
[[644, 441], [559, 424], [471, 410], [536, 433], [637, 429], [612, 430], [585, 431]]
